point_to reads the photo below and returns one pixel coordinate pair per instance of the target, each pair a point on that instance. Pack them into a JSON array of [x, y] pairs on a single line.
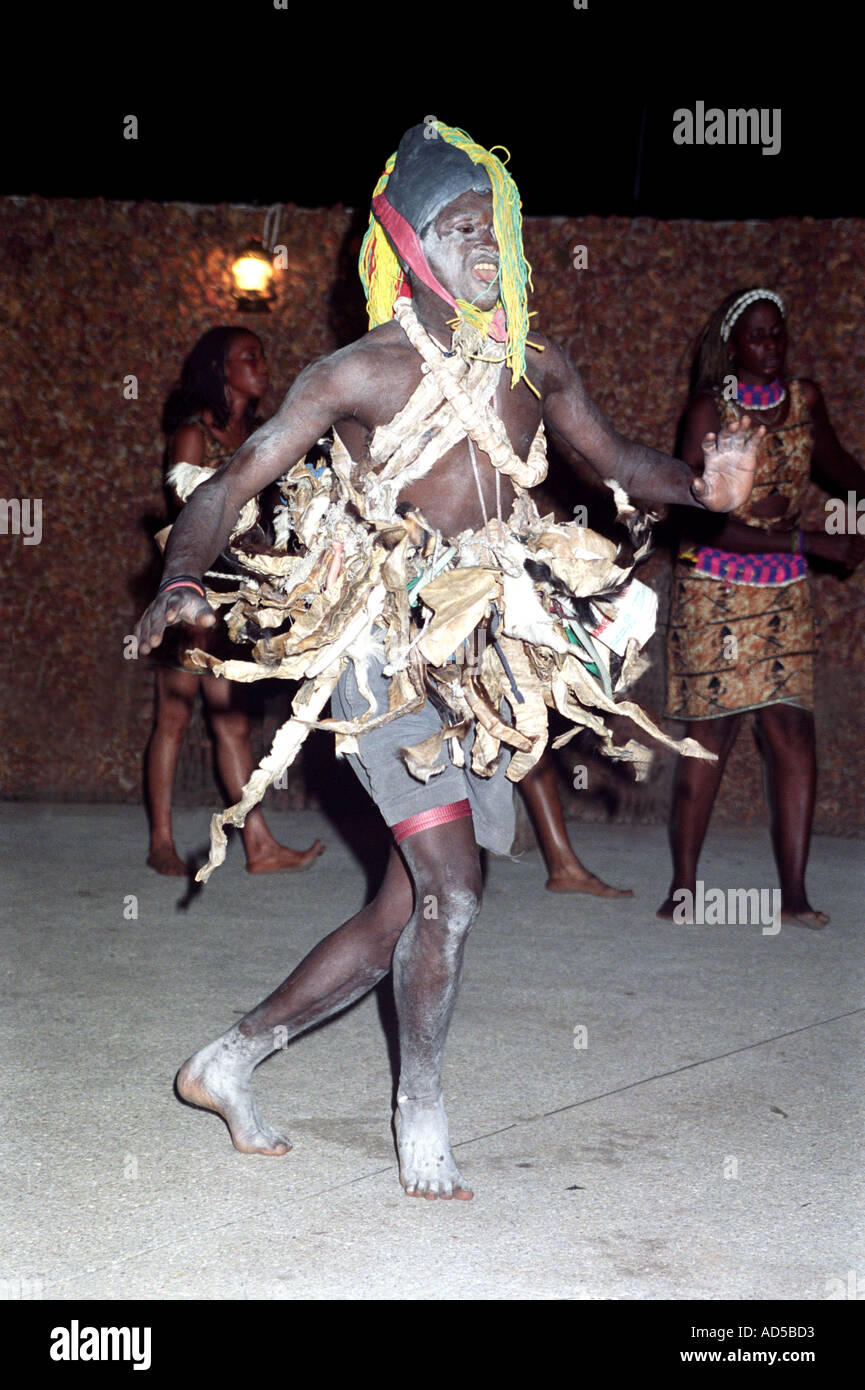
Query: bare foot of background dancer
[[566, 873]]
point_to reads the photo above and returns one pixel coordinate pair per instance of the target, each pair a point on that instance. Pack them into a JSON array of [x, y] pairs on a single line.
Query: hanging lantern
[[252, 276]]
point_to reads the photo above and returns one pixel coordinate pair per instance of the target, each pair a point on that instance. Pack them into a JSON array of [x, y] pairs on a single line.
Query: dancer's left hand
[[729, 461]]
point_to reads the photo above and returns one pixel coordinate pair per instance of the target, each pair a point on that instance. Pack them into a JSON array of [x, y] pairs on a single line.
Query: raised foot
[[212, 1083], [165, 860], [280, 859], [581, 881], [426, 1164]]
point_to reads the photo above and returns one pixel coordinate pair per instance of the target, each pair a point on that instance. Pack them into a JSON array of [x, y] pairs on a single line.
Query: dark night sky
[[250, 104]]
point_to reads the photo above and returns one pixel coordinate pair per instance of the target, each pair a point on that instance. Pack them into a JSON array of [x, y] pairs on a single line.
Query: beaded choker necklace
[[760, 397]]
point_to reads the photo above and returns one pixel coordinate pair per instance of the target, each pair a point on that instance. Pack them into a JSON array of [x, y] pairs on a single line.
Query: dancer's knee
[[453, 907], [462, 907], [445, 868], [173, 716]]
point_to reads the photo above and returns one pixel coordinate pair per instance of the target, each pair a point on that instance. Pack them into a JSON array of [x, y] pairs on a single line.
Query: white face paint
[[461, 249]]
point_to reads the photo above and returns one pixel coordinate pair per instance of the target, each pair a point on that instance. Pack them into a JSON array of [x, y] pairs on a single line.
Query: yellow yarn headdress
[[382, 275]]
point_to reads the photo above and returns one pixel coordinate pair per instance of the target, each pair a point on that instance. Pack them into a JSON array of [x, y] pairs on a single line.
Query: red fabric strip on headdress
[[405, 240], [407, 245]]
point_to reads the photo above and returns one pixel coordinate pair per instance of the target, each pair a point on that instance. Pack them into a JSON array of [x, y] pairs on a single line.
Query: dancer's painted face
[[461, 248], [759, 341], [244, 367]]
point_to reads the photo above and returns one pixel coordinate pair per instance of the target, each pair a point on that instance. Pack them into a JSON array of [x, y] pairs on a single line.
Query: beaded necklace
[[757, 397]]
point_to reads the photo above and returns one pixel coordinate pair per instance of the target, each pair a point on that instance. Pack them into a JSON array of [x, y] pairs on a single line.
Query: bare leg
[[695, 787], [787, 741], [175, 697], [234, 759], [339, 970], [429, 939], [566, 873], [427, 965]]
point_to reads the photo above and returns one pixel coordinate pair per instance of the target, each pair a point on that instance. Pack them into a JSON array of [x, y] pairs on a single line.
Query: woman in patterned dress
[[741, 634], [207, 417]]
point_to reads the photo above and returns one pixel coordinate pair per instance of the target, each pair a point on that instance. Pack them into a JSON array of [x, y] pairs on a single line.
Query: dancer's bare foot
[[579, 880], [164, 859], [426, 1164], [214, 1080], [280, 859], [805, 917]]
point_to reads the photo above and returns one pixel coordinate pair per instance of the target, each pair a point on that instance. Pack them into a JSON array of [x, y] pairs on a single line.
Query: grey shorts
[[396, 793]]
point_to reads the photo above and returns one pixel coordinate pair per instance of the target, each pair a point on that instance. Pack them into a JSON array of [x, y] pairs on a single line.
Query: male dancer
[[440, 208]]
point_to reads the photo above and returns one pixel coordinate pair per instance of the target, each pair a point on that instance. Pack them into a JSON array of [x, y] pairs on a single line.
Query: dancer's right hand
[[175, 606]]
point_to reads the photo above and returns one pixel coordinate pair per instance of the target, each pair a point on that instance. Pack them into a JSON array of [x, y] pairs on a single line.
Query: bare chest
[[461, 488]]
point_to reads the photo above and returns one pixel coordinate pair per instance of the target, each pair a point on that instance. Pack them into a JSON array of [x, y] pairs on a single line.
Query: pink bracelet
[[183, 584]]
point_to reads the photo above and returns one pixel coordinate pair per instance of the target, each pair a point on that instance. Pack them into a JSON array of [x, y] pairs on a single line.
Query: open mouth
[[485, 271]]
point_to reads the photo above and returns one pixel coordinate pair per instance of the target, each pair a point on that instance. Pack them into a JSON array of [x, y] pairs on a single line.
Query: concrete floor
[[706, 1142]]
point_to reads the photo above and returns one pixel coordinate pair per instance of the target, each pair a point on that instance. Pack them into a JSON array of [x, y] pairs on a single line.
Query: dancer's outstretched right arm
[[324, 393]]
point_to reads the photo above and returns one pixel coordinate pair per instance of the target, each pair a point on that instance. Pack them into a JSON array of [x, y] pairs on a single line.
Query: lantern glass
[[253, 273]]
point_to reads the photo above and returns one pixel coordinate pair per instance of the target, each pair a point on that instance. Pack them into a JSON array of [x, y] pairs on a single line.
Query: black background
[[244, 103]]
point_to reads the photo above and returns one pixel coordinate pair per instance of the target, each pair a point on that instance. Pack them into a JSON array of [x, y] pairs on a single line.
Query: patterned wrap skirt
[[734, 647]]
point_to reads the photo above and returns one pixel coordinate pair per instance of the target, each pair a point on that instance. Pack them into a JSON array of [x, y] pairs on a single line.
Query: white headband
[[741, 305]]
